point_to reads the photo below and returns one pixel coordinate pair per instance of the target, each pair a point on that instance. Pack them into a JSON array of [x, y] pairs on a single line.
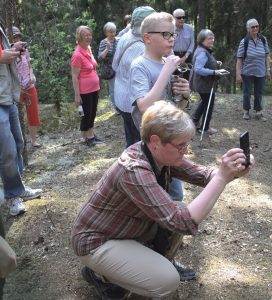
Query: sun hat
[[16, 31], [138, 16]]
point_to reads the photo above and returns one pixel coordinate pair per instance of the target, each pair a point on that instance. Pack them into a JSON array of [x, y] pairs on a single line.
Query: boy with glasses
[[150, 79], [184, 43]]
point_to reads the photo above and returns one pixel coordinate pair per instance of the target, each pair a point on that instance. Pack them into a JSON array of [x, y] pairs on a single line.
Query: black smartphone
[[244, 145]]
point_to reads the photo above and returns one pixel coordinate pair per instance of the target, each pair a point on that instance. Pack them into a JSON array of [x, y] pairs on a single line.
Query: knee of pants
[[165, 285]]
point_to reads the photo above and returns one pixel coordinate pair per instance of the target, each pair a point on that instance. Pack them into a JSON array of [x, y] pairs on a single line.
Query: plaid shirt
[[128, 200]]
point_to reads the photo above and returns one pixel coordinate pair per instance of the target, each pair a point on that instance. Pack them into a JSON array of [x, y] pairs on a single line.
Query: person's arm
[[200, 61], [104, 48], [267, 64], [190, 49], [231, 167], [239, 63], [7, 259], [8, 56], [75, 74], [155, 94]]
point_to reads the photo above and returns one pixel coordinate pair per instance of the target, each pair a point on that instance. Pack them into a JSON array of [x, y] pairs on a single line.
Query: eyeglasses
[[255, 26], [165, 34], [181, 147], [180, 17]]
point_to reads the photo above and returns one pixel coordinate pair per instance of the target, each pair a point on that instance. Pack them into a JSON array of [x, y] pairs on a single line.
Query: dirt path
[[232, 251]]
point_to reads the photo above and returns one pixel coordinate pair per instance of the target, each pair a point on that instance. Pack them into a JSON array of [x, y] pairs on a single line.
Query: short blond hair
[[166, 121], [151, 22], [79, 32]]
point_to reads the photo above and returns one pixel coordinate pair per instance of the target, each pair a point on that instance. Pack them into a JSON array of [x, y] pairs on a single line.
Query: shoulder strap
[[128, 45], [246, 41]]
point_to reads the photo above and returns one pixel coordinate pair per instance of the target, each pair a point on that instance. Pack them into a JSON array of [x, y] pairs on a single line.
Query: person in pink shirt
[[86, 84]]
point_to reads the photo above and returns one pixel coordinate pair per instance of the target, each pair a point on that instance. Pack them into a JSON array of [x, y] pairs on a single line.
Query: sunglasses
[[255, 26], [181, 17]]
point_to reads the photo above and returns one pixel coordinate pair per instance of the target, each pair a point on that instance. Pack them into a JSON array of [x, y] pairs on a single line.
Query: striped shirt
[[185, 40], [127, 201], [255, 62], [23, 70], [102, 47], [135, 49]]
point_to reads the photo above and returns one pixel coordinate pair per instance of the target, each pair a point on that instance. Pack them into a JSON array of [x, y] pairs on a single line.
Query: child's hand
[[171, 63], [181, 87]]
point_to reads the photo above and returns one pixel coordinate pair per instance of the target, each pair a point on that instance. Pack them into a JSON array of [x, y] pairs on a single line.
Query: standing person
[[185, 41], [11, 145], [115, 232], [203, 78], [253, 67], [86, 84], [28, 90], [129, 47], [106, 52], [127, 25], [151, 72]]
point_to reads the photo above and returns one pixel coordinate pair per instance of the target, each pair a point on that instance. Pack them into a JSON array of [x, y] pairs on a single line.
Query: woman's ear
[[155, 141]]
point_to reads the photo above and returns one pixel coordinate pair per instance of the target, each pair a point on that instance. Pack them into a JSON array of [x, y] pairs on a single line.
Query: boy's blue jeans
[[11, 147]]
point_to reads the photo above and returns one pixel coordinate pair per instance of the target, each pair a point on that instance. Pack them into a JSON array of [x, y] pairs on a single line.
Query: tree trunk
[[201, 14]]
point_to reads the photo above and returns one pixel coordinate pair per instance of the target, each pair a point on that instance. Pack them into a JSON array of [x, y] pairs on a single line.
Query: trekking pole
[[206, 116]]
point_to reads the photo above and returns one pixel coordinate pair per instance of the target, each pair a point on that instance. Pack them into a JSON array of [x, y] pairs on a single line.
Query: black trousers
[[89, 105], [201, 109]]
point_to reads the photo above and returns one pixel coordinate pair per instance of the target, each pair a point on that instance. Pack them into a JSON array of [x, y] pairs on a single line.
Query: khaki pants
[[134, 267]]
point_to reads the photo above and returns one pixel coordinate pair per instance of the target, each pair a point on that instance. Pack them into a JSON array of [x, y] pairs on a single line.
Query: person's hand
[[232, 165], [182, 60], [7, 259], [220, 72], [171, 63], [239, 79], [181, 87], [77, 101], [9, 55], [108, 45], [219, 63], [32, 78], [268, 75]]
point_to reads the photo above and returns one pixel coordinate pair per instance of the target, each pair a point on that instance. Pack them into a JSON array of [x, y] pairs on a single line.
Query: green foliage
[[51, 26]]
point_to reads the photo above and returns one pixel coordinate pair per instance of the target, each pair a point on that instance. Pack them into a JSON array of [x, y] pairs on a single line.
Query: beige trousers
[[134, 267]]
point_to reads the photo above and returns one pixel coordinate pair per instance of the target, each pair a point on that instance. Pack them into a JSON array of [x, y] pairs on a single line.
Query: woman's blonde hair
[[151, 22], [166, 121], [79, 32]]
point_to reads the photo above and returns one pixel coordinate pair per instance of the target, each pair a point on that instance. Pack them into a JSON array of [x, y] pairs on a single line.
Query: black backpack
[[246, 41]]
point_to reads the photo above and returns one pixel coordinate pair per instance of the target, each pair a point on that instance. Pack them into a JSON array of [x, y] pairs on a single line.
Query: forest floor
[[232, 253]]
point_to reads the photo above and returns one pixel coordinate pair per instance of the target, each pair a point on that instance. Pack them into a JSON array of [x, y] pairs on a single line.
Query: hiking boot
[[185, 274], [30, 193], [105, 290], [246, 115], [259, 116], [95, 140], [16, 206], [211, 131]]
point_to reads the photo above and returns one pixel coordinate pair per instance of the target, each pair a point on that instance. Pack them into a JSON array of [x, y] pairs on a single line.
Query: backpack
[[246, 41]]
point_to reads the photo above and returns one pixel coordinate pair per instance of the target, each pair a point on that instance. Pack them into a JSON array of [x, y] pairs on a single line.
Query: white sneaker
[[16, 206], [30, 193]]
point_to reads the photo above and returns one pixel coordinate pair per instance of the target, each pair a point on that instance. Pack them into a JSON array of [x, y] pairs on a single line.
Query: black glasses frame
[[165, 34], [181, 17]]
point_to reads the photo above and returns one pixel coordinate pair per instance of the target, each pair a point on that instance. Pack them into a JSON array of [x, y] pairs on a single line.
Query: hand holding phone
[[244, 145]]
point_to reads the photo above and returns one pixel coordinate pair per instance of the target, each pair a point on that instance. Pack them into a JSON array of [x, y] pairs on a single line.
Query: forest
[[50, 26]]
